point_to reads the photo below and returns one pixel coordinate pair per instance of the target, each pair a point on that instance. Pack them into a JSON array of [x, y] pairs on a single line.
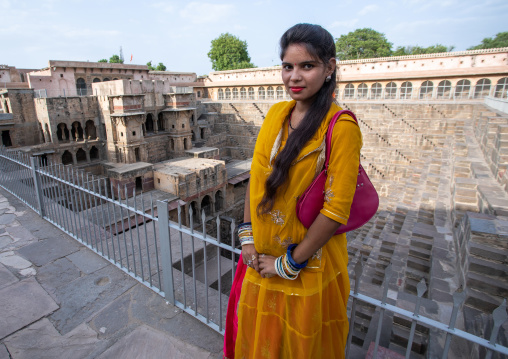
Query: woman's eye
[[287, 67], [308, 66]]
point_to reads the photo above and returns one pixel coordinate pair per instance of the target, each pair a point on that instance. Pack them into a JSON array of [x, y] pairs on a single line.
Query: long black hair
[[319, 43]]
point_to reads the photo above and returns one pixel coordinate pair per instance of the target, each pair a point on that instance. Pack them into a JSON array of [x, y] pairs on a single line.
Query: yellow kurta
[[304, 318]]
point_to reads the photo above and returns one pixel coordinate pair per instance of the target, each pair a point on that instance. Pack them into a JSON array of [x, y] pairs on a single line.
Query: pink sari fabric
[[232, 316]]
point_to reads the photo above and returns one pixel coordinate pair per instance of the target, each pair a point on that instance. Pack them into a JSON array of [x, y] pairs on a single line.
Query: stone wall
[[19, 123]]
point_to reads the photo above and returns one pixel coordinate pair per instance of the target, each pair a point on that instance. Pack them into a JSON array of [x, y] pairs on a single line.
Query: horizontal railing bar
[[431, 322], [16, 161], [95, 194], [200, 236]]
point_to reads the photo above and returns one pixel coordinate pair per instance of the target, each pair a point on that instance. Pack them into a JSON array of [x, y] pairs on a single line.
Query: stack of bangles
[[286, 267], [245, 233]]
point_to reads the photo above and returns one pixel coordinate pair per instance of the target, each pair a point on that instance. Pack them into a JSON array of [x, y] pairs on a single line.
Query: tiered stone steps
[[428, 163]]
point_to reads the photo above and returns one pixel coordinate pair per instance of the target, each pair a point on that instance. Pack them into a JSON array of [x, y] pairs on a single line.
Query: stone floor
[[61, 300]]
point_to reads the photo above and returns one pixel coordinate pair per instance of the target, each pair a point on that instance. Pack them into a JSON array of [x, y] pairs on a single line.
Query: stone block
[[48, 250], [86, 295], [23, 303], [146, 342], [41, 340]]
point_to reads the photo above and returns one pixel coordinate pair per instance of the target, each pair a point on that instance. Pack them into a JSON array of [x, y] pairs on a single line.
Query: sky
[[179, 33]]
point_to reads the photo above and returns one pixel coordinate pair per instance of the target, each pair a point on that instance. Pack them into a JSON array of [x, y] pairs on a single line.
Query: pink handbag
[[365, 201]]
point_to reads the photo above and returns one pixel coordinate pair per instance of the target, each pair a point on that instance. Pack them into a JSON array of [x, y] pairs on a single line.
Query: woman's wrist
[[292, 261], [245, 234]]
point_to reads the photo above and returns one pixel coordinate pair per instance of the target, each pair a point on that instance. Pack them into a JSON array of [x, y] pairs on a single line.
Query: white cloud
[[367, 9], [202, 12], [346, 23]]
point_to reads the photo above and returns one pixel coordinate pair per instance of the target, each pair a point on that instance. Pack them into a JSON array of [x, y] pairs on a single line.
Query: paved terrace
[[61, 300]]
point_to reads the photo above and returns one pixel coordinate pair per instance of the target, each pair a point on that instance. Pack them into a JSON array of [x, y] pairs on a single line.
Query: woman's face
[[302, 74]]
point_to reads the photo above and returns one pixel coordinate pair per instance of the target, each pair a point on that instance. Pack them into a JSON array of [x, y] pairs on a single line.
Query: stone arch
[[444, 89], [426, 89], [106, 79], [349, 91], [149, 123], [391, 90], [206, 205], [219, 201], [62, 133], [261, 93], [185, 144], [228, 94], [172, 144], [6, 138], [77, 131], [195, 214], [160, 122], [48, 133], [90, 130], [376, 91], [96, 80], [252, 95], [80, 155], [243, 93], [94, 153], [280, 93], [81, 87], [235, 94], [66, 158], [406, 90], [463, 88], [482, 88], [220, 94], [270, 93], [502, 88], [363, 90]]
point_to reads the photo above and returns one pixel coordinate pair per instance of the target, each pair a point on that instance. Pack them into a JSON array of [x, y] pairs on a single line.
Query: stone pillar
[[74, 159], [87, 152]]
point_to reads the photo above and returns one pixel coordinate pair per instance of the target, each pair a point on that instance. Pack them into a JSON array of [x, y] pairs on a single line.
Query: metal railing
[[77, 92], [192, 269]]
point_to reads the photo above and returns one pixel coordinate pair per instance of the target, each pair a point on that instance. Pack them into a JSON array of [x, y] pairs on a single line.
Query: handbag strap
[[330, 130]]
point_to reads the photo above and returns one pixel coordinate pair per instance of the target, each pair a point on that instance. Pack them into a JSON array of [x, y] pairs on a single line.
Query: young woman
[[292, 304]]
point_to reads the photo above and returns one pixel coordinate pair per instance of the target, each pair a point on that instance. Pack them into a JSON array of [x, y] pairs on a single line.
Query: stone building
[[453, 75], [19, 124]]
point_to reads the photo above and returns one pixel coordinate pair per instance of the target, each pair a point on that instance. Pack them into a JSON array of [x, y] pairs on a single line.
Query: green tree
[[102, 60], [228, 52], [501, 40], [418, 50], [160, 67], [362, 44], [115, 59]]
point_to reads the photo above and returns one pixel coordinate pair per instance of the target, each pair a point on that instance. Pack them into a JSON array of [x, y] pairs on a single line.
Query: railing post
[[37, 186], [166, 257]]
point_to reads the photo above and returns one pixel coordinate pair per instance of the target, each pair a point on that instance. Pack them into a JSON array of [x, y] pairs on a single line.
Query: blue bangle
[[292, 261], [244, 224]]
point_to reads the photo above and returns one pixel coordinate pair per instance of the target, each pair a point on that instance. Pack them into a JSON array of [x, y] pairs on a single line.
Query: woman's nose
[[295, 75]]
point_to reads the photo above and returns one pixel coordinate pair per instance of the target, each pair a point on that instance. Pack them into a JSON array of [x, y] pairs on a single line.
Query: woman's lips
[[296, 89]]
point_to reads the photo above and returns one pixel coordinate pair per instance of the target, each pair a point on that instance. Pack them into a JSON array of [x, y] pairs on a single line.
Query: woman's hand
[[267, 266], [250, 256]]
